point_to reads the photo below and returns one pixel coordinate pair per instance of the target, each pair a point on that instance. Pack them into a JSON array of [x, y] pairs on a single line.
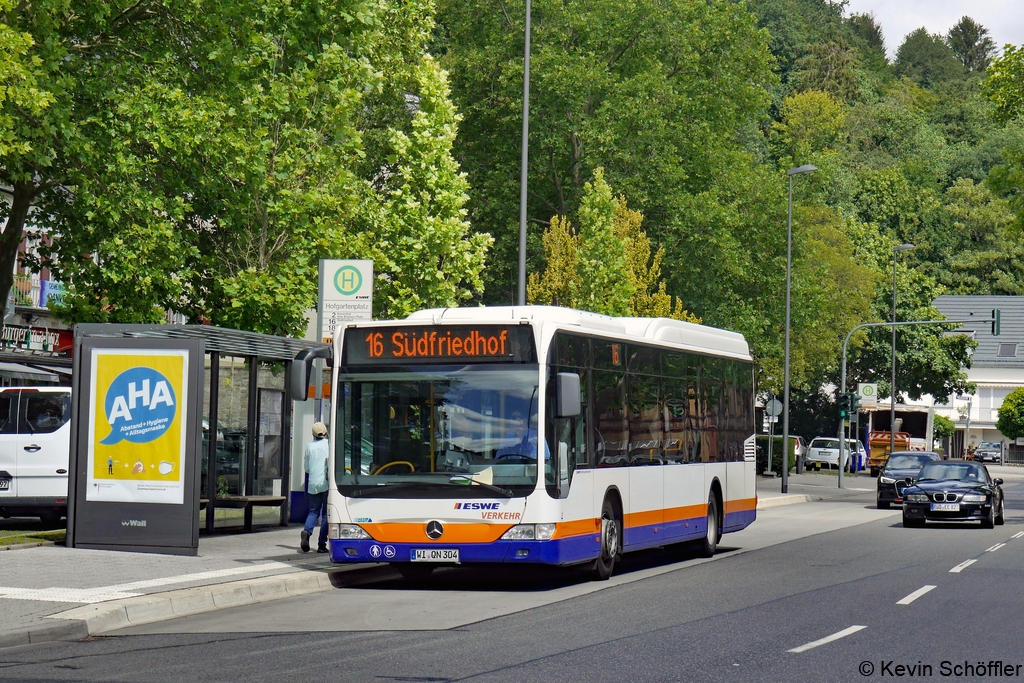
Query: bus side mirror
[[567, 394], [298, 387]]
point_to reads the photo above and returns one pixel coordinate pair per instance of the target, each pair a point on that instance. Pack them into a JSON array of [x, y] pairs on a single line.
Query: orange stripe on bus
[[580, 527], [742, 505], [403, 532]]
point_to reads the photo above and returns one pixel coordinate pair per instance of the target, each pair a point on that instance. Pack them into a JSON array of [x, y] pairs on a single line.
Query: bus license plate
[[435, 555], [945, 507]]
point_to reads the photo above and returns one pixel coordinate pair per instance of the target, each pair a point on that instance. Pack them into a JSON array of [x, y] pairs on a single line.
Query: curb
[[793, 499], [88, 620]]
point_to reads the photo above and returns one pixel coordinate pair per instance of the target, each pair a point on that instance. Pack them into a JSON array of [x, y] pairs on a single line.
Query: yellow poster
[[137, 425]]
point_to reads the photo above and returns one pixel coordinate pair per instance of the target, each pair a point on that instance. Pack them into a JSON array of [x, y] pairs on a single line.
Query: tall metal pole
[[785, 397], [521, 299], [892, 386], [892, 401]]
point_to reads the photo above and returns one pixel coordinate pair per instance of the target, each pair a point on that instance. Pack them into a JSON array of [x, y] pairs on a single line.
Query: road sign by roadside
[[867, 393], [773, 407], [346, 294]]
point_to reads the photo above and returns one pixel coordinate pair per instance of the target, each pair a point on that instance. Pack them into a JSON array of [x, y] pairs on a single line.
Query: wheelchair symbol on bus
[[389, 551]]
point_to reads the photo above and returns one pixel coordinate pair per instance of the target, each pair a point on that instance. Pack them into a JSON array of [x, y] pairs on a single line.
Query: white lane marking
[[89, 596], [994, 548], [1018, 534], [962, 566], [915, 595], [828, 639]]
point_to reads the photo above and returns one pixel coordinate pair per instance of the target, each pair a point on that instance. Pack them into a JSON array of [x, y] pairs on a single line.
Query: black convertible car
[[899, 468], [953, 491]]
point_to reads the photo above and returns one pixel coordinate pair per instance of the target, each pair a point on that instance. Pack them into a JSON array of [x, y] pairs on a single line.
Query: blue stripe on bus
[[734, 521], [572, 550]]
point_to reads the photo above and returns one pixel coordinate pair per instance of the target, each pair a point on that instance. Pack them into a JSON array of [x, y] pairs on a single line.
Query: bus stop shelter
[[245, 455]]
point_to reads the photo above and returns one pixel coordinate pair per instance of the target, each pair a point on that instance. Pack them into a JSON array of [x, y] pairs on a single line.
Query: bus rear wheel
[[602, 568], [707, 546]]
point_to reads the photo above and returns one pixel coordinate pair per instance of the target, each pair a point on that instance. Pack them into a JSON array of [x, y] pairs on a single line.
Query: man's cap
[[319, 429]]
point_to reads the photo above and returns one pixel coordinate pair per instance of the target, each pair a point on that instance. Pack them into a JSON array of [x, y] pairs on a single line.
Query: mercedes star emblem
[[434, 530]]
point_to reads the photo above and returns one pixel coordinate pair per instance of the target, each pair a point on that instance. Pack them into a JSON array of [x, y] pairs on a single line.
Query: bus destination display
[[434, 344]]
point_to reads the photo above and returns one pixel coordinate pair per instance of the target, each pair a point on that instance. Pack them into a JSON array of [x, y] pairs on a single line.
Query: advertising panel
[[136, 444], [137, 427]]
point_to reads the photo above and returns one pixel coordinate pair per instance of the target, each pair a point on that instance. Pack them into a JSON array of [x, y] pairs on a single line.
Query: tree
[[830, 67], [942, 427], [211, 175], [869, 30], [57, 58], [607, 267], [1011, 415], [971, 44], [653, 92], [1004, 84], [1004, 87], [927, 59]]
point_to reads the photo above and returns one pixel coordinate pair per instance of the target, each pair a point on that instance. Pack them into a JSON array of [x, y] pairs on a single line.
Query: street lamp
[[892, 401], [521, 298], [806, 168]]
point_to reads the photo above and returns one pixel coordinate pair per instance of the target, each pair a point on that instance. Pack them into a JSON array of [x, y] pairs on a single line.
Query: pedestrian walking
[[315, 465]]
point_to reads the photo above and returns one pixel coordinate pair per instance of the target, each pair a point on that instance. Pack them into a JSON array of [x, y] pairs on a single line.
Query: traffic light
[[996, 319], [854, 403], [843, 401]]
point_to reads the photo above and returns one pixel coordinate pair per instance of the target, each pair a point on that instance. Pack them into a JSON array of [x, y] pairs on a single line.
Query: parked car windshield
[[941, 471], [910, 462]]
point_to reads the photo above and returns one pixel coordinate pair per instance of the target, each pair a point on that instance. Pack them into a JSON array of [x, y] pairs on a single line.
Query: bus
[[534, 434]]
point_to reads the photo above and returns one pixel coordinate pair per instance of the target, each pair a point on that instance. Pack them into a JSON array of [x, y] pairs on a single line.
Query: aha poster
[[136, 447]]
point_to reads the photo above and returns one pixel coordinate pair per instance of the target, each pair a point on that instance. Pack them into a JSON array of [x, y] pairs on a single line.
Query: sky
[[1003, 18]]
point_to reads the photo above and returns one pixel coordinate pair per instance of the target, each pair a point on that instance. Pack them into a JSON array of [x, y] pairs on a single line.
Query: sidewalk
[[51, 592], [807, 487]]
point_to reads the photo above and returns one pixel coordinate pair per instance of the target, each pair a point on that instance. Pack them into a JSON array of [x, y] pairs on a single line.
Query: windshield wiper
[[490, 487]]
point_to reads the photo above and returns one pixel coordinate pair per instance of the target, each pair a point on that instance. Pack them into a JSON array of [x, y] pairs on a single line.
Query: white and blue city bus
[[535, 435]]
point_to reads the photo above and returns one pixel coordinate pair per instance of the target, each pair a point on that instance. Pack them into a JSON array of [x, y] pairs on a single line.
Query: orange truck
[[879, 442]]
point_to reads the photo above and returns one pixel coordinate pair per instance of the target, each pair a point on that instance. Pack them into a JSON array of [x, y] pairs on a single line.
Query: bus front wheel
[[602, 568]]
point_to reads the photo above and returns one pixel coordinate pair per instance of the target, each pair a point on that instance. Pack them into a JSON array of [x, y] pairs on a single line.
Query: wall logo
[[133, 522], [140, 406], [348, 280]]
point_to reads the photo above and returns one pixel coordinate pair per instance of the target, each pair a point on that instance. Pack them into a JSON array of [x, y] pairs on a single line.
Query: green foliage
[[829, 67], [607, 267], [243, 141], [971, 44], [1011, 415], [1004, 83], [928, 59], [653, 92], [942, 427]]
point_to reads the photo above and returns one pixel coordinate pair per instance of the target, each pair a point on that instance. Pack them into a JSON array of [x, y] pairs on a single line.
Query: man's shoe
[[322, 549], [304, 544]]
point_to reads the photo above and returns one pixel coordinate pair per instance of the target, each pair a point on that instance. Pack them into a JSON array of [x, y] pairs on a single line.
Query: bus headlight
[[529, 532], [347, 532]]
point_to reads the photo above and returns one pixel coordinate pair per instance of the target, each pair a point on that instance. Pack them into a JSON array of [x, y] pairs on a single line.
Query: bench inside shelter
[[244, 503]]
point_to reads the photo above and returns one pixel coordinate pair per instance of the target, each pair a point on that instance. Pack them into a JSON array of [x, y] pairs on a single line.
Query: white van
[[35, 442]]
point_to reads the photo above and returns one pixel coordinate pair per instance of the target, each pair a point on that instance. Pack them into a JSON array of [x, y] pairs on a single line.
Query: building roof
[[1003, 351], [223, 340]]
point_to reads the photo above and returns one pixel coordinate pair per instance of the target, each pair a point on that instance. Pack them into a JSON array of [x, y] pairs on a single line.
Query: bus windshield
[[422, 430]]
